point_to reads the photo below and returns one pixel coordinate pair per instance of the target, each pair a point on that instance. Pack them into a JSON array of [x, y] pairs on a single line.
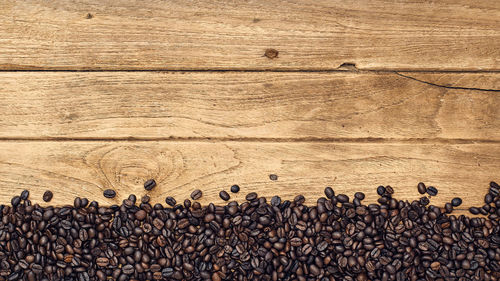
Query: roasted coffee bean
[[224, 195], [235, 188], [456, 202], [109, 193], [381, 190], [150, 184], [329, 192], [432, 191], [251, 196], [47, 196], [273, 177], [421, 188], [170, 201], [25, 194], [196, 194]]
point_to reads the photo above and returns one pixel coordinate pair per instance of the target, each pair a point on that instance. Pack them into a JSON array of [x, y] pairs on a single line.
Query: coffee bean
[[329, 192], [15, 200], [421, 188], [47, 196], [128, 269], [432, 191], [109, 193], [456, 202], [196, 194], [359, 195], [25, 194], [273, 177], [224, 195], [170, 201], [150, 184], [251, 196], [380, 190], [235, 188]]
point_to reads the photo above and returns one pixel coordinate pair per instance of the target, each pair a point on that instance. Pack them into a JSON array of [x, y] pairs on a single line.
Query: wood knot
[[271, 53]]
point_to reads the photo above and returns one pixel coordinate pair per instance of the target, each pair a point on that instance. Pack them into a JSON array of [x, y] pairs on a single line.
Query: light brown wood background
[[107, 94]]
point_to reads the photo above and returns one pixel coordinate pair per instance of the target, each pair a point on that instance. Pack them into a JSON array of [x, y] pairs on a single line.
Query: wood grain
[[87, 168], [202, 34], [234, 105]]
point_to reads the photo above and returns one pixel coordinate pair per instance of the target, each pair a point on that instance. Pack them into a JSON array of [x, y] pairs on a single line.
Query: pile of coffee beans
[[334, 239]]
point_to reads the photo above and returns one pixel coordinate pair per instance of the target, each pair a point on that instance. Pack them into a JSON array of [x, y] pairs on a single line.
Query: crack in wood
[[446, 87]]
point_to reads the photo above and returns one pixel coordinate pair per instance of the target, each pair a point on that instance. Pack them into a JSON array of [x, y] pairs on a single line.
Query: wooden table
[[204, 94]]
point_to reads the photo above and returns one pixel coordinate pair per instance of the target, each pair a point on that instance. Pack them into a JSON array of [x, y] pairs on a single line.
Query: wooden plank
[[248, 105], [203, 34], [82, 168]]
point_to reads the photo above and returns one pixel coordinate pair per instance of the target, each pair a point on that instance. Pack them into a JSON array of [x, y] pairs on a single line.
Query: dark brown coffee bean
[[273, 177], [329, 193], [456, 202], [150, 184], [235, 188], [421, 188], [170, 201], [432, 191], [224, 195], [251, 196], [109, 193], [47, 196], [196, 194]]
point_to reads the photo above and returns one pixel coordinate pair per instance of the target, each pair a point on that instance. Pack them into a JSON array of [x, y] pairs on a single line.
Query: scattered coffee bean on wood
[[47, 196], [150, 184], [235, 188], [224, 195], [196, 194], [273, 177], [456, 202], [170, 201], [432, 191], [393, 240], [421, 188], [109, 193]]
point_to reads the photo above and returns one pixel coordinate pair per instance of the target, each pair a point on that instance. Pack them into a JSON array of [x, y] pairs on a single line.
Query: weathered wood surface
[[203, 34], [234, 105], [85, 169]]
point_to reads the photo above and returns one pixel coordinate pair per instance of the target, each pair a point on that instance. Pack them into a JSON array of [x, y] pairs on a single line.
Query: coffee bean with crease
[[196, 194]]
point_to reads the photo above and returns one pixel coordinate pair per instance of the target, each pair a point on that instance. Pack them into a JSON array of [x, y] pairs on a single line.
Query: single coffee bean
[[380, 190], [359, 195], [170, 201], [196, 194], [421, 188], [25, 194], [432, 191], [150, 184], [456, 202], [273, 177], [47, 196], [329, 192], [15, 200], [474, 210], [251, 196], [109, 193], [145, 199], [235, 188], [224, 195]]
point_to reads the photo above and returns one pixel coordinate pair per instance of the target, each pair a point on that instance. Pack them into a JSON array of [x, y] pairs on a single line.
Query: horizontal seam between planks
[[333, 70], [257, 140]]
